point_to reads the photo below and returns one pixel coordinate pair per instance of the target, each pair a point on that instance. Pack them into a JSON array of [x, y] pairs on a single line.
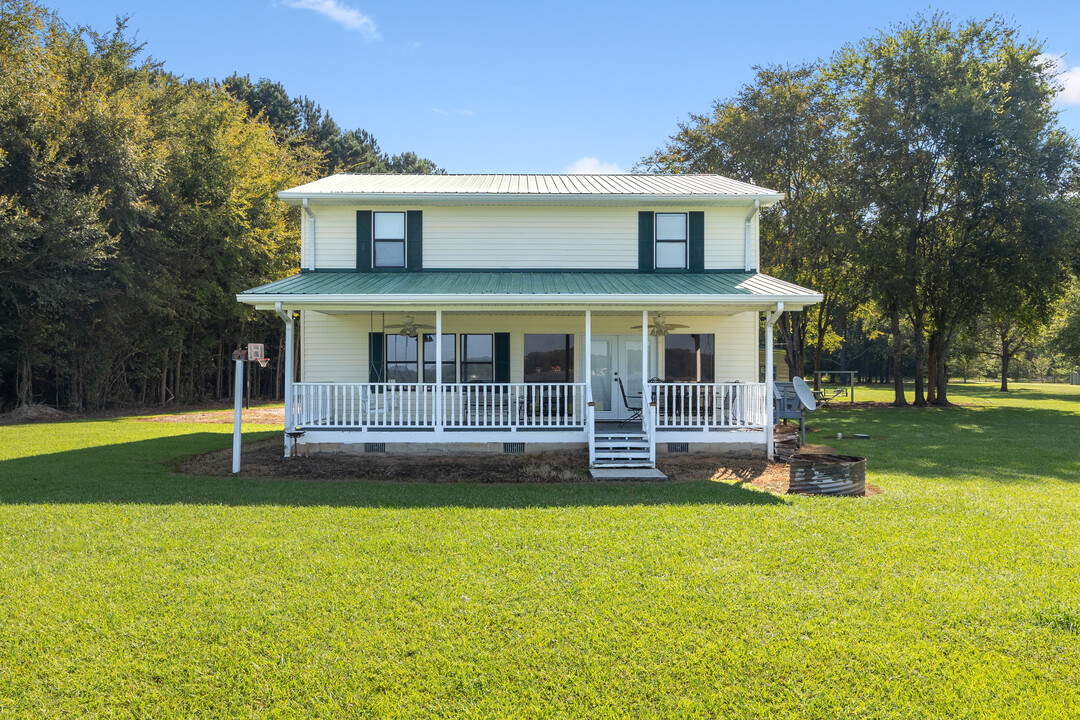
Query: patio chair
[[635, 412]]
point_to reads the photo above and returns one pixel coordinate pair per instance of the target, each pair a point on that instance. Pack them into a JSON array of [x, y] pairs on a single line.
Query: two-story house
[[520, 313]]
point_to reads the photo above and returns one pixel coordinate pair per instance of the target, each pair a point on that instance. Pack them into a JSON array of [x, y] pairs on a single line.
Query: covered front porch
[[624, 375]]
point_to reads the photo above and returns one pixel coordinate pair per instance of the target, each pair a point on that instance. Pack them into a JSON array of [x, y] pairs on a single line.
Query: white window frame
[[375, 239], [685, 242]]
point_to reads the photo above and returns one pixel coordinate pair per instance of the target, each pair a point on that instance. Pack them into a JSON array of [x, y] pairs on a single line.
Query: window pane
[[689, 358], [477, 348], [389, 226], [400, 348], [477, 372], [390, 254], [670, 226], [448, 347], [549, 358], [670, 255], [448, 371], [401, 372]]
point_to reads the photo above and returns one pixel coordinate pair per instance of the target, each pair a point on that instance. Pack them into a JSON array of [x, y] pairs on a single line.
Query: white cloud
[[593, 166], [347, 17], [1069, 77]]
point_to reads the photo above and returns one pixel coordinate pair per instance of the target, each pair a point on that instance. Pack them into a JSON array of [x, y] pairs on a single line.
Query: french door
[[614, 358]]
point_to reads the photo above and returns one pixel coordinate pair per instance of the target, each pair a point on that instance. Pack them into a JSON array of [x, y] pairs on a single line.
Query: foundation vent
[[515, 448], [375, 447], [678, 447]]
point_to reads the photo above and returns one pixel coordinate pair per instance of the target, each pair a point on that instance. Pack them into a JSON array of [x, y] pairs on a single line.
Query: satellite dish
[[804, 393]]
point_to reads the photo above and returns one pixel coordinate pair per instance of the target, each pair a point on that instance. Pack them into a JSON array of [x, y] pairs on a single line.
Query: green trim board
[[518, 283]]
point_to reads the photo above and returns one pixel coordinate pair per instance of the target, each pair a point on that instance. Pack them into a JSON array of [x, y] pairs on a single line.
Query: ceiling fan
[[658, 327], [409, 328]]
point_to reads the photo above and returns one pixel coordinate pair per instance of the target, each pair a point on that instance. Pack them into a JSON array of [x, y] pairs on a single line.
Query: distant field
[[130, 591]]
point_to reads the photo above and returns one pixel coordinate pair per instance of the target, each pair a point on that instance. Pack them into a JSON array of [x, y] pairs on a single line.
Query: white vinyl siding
[[336, 244], [724, 240], [525, 237], [493, 237], [335, 347]]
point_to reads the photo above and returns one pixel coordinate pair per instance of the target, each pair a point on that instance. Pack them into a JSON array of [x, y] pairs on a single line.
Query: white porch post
[[588, 350], [438, 372], [770, 319], [290, 342], [644, 354]]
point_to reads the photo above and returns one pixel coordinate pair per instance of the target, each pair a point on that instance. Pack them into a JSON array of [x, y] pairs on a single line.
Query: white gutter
[[584, 300], [748, 246], [310, 264]]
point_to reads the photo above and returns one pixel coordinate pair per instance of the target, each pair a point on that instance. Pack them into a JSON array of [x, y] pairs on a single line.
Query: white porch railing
[[462, 406], [707, 406]]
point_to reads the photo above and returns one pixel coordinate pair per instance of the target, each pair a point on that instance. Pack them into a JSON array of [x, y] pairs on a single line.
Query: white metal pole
[[237, 405], [438, 371]]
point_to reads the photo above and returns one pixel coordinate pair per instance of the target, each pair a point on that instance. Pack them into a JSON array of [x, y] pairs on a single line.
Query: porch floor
[[605, 426]]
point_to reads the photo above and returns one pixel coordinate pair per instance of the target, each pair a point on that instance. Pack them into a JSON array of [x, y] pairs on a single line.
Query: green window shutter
[[363, 240], [645, 240], [414, 239], [502, 357], [697, 242], [376, 353]]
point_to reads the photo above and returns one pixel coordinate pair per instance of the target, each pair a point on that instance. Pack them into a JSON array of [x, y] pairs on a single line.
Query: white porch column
[[644, 354], [770, 319], [290, 343], [588, 351], [438, 371]]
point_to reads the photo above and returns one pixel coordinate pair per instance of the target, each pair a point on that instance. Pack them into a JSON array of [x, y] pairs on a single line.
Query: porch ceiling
[[711, 292]]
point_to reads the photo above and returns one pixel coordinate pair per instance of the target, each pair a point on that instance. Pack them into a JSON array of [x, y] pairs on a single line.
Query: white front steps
[[628, 449]]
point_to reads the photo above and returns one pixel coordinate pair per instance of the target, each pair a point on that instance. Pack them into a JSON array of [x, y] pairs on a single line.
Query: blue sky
[[526, 86]]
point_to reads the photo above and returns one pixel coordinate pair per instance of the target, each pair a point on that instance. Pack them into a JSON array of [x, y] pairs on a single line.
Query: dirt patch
[[33, 413], [255, 416], [264, 461]]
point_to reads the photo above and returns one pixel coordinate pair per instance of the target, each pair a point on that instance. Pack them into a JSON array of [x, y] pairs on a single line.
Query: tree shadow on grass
[[141, 472], [1004, 444]]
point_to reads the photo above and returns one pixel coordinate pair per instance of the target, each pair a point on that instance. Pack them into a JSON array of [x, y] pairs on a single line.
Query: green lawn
[[128, 591]]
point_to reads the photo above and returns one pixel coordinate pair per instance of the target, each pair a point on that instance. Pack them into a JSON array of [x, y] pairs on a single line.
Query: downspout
[[748, 246], [310, 264], [290, 420], [770, 320]]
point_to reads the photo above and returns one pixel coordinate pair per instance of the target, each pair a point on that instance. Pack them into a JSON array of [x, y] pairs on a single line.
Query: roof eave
[[438, 198]]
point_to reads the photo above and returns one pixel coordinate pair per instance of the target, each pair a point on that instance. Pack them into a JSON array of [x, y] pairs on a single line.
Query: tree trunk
[[920, 360], [164, 376], [899, 400], [942, 341], [24, 383], [931, 371]]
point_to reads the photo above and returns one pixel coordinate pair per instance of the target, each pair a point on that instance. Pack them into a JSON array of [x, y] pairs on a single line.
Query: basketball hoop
[[263, 362]]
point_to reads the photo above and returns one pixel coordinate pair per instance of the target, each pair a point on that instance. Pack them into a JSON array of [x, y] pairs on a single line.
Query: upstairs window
[[671, 241], [389, 236]]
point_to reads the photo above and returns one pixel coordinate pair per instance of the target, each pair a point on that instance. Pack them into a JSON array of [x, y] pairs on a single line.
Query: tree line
[[134, 204], [931, 195]]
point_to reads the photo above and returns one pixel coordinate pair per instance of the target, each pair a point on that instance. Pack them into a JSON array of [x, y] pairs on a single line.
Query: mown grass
[[127, 590]]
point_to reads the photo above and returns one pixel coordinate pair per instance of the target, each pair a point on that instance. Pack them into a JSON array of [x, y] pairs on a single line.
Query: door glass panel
[[631, 374], [602, 357]]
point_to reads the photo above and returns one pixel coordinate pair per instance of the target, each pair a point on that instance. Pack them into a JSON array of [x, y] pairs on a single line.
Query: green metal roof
[[525, 286]]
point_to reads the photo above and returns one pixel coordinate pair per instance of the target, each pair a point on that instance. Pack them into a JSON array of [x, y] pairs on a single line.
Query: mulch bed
[[264, 461]]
